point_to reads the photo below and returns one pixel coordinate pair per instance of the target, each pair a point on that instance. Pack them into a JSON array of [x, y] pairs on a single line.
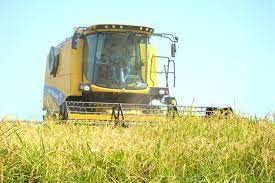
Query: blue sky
[[226, 52]]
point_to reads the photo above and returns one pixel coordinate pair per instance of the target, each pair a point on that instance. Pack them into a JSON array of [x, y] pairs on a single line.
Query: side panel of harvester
[[152, 67], [65, 81], [152, 77]]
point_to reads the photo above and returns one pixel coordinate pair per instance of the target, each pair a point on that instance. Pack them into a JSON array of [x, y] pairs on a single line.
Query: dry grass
[[187, 149]]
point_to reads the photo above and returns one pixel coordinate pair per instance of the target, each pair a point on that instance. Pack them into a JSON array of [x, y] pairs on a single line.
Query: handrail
[[166, 70]]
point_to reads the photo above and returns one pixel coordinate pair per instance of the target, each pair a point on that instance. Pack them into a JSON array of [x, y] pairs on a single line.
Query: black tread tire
[[63, 112]]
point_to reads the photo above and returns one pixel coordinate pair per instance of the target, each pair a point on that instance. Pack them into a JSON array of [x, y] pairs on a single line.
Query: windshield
[[120, 61]]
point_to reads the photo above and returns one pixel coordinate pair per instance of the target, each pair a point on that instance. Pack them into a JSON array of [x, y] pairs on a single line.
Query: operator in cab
[[120, 57]]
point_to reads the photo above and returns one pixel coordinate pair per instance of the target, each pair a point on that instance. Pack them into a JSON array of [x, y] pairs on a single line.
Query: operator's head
[[116, 42]]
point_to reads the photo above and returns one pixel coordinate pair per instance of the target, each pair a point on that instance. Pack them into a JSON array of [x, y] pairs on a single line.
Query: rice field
[[186, 149]]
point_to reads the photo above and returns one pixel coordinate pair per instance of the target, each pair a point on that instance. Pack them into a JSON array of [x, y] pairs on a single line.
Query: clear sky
[[226, 52]]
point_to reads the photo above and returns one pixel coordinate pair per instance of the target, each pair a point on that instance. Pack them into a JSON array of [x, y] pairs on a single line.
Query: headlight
[[161, 92], [86, 88]]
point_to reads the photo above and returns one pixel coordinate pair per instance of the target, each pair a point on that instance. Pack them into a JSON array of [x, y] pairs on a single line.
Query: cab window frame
[[89, 57]]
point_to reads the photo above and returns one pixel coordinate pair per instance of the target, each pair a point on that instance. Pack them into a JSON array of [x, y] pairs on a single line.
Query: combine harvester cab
[[109, 73]]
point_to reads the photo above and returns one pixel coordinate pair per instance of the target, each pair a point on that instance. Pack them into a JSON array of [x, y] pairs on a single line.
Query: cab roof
[[115, 28]]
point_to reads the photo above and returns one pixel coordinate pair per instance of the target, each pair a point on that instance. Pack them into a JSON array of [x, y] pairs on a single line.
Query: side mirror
[[74, 41], [173, 49]]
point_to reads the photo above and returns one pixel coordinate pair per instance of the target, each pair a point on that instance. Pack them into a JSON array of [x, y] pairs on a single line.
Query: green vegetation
[[188, 149]]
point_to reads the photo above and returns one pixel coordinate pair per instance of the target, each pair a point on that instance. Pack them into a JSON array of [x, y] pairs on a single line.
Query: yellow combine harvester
[[110, 72]]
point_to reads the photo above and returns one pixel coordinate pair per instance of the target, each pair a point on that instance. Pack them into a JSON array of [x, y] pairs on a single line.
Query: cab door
[[90, 46]]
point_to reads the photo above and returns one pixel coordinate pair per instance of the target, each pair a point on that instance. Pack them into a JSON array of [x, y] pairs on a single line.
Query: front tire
[[63, 112]]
